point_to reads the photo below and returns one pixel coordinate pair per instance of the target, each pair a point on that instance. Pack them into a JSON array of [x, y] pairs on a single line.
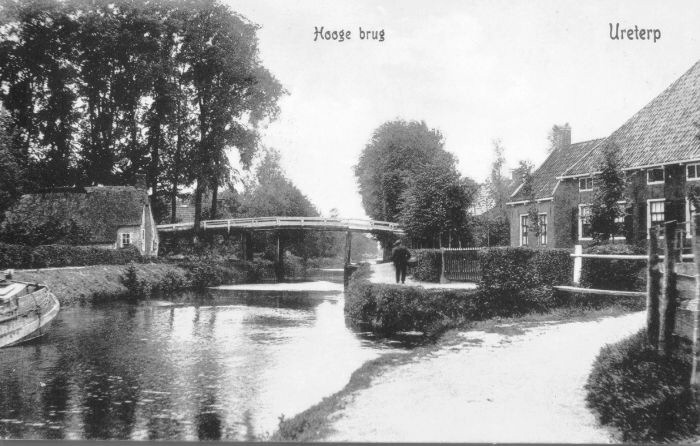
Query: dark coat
[[400, 255]]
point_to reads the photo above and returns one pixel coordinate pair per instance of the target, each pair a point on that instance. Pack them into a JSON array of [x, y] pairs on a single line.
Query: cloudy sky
[[474, 69]]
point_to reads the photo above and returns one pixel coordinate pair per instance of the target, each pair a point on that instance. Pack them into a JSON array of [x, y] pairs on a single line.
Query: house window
[[543, 229], [693, 171], [584, 221], [655, 213], [523, 230], [126, 239], [655, 176], [585, 183]]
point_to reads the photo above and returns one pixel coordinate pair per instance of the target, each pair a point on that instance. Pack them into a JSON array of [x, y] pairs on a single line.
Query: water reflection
[[221, 368]]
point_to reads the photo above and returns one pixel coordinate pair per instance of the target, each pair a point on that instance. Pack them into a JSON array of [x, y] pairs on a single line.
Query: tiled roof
[[545, 177], [100, 210], [662, 132]]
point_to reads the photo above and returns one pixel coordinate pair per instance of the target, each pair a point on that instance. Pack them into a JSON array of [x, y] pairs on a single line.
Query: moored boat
[[26, 311]]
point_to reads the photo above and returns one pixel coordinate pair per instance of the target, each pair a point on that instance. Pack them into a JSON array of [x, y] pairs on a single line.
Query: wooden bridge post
[[695, 375], [279, 257], [669, 299], [348, 248], [247, 245], [653, 289]]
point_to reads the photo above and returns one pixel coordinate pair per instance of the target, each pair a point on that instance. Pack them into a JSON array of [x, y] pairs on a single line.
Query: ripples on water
[[225, 367]]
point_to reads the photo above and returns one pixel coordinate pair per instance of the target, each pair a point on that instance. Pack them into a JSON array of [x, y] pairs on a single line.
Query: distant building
[[111, 216], [659, 152]]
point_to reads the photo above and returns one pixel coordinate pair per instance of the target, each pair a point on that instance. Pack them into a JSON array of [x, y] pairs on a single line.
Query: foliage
[[614, 274], [436, 202], [518, 280], [46, 232], [23, 256], [642, 393], [528, 191], [488, 230], [389, 309], [397, 151], [11, 165], [610, 186], [98, 92], [428, 265]]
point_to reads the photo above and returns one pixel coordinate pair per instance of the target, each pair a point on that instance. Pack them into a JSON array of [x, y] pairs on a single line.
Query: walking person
[[400, 255]]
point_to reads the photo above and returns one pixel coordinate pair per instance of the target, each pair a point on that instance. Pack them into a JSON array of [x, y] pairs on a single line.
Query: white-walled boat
[[26, 311]]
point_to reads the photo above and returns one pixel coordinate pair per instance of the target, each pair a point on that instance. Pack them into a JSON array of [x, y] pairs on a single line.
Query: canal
[[225, 365]]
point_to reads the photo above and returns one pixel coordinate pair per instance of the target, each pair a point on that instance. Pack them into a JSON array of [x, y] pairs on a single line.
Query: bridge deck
[[273, 223]]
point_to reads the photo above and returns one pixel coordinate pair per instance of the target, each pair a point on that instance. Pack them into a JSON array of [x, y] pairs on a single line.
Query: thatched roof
[[100, 210]]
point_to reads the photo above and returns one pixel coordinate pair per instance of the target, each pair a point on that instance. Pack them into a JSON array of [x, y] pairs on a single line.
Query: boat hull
[[41, 307]]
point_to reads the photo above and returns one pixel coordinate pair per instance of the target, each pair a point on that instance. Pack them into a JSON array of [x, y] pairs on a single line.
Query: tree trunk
[[198, 192], [173, 203], [214, 197]]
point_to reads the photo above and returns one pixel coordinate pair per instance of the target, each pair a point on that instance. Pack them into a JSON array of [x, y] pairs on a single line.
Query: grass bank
[[136, 281], [94, 283]]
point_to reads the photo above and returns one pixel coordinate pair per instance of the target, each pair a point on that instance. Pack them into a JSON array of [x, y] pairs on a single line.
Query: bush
[[610, 274], [24, 256], [389, 309], [428, 265], [643, 394], [519, 280]]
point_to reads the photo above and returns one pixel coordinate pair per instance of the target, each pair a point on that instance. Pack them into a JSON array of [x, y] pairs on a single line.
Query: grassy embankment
[[94, 283]]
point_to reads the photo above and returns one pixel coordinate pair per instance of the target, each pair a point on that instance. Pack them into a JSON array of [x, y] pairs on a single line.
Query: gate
[[461, 264]]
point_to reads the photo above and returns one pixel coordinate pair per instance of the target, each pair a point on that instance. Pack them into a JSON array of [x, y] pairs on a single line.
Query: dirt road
[[489, 387]]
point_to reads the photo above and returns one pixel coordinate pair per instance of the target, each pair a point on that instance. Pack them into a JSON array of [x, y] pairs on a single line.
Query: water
[[225, 368]]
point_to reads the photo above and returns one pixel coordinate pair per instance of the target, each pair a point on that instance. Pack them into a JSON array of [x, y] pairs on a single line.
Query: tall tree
[[435, 204], [233, 92], [397, 151], [609, 191]]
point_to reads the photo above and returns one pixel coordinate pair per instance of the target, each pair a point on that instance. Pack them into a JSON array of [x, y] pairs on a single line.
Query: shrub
[[612, 274], [518, 280], [389, 309], [428, 265], [643, 394], [137, 288], [24, 256]]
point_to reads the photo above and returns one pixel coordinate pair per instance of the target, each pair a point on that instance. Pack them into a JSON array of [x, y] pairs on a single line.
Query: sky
[[477, 70]]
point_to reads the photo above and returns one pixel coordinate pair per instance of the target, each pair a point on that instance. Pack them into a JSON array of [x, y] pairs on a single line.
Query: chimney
[[561, 136], [140, 181]]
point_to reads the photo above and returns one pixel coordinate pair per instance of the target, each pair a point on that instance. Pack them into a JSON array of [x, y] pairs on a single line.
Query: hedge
[[518, 280], [388, 309], [643, 394], [612, 274], [25, 256], [428, 266]]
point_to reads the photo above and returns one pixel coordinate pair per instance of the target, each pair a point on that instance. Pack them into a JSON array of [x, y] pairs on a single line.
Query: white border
[[663, 180], [520, 232]]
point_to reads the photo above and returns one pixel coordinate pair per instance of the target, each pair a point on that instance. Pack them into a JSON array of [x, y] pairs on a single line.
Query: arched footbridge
[[244, 226], [277, 223]]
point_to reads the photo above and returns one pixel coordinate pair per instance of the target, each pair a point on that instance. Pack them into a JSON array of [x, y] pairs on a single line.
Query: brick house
[[660, 155], [111, 217]]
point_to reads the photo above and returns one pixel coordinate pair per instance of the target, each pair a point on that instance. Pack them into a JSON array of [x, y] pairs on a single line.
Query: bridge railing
[[285, 221]]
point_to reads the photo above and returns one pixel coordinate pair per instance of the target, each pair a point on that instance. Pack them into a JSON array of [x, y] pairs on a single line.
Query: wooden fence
[[460, 264]]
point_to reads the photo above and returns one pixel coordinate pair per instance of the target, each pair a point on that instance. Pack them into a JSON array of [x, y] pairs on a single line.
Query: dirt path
[[489, 387], [385, 273]]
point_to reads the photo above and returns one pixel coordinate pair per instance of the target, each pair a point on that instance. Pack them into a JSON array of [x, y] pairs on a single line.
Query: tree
[[232, 90], [12, 166], [492, 228], [436, 203], [609, 191], [397, 151], [530, 195]]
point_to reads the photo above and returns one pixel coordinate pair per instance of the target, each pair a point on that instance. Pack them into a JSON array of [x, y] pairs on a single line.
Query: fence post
[[695, 375], [443, 278], [653, 289], [578, 263], [667, 306]]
